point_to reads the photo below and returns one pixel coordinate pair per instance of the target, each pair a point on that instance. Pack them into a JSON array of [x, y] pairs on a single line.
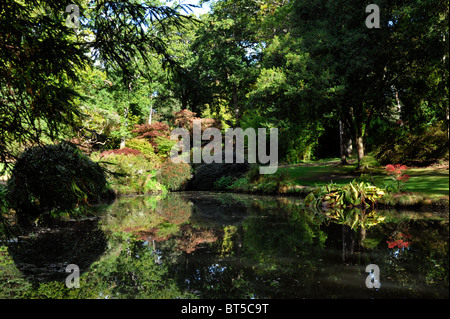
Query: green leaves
[[352, 195], [54, 177]]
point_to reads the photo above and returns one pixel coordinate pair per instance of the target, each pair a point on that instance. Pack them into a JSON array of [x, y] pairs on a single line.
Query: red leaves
[[186, 118], [174, 175], [398, 172], [400, 243], [152, 131], [122, 151]]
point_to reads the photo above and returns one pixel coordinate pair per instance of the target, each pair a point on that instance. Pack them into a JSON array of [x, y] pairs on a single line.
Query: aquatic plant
[[350, 195]]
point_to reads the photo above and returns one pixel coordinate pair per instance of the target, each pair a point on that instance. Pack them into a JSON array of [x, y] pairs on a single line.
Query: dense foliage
[[354, 194], [130, 173], [174, 176], [54, 178]]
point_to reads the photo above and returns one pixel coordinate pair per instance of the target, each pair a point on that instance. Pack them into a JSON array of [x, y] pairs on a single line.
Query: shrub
[[174, 176], [186, 118], [224, 182], [368, 162], [54, 177], [427, 146], [241, 184], [152, 131], [132, 174], [142, 146], [164, 145], [253, 174], [397, 173], [347, 196], [274, 183]]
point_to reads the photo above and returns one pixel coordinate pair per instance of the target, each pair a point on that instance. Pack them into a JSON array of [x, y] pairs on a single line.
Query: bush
[[142, 146], [174, 176], [368, 162], [164, 145], [152, 131], [241, 184], [131, 174], [351, 195], [224, 182], [54, 177], [253, 174], [122, 151]]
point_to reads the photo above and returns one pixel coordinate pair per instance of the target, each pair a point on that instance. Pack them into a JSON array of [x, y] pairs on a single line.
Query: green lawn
[[428, 181], [323, 172]]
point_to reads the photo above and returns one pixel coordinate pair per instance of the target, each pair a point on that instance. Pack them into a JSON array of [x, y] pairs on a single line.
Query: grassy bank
[[425, 186], [431, 181]]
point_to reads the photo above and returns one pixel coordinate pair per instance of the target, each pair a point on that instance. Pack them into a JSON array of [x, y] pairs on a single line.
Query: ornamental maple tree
[[397, 172], [152, 131]]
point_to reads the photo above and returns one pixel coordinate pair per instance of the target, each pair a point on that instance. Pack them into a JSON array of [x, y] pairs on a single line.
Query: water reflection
[[209, 245]]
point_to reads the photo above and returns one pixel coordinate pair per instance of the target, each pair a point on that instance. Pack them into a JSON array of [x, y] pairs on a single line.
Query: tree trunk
[[345, 143], [235, 103], [360, 147], [358, 131], [125, 114]]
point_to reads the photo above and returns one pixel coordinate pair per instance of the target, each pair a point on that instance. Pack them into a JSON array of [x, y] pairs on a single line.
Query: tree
[[334, 35], [225, 48], [367, 67], [38, 67], [286, 93], [40, 59]]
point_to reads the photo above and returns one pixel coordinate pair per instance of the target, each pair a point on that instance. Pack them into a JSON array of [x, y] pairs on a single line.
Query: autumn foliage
[[152, 131], [122, 151], [397, 172], [174, 175], [186, 118]]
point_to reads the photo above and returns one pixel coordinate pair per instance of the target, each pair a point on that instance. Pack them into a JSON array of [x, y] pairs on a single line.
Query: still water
[[221, 245]]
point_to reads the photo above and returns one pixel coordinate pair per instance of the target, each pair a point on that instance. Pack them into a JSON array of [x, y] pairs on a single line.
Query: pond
[[222, 245]]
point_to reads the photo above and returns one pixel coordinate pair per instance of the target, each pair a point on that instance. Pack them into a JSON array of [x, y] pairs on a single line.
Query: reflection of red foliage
[[400, 243], [193, 237]]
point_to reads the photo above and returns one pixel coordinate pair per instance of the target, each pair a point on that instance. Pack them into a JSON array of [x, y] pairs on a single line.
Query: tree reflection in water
[[245, 246]]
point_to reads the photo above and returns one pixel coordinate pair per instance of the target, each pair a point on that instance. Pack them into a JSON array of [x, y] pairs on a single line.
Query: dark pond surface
[[219, 245]]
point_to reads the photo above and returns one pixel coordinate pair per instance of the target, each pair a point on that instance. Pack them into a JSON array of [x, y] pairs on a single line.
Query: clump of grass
[[405, 200]]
